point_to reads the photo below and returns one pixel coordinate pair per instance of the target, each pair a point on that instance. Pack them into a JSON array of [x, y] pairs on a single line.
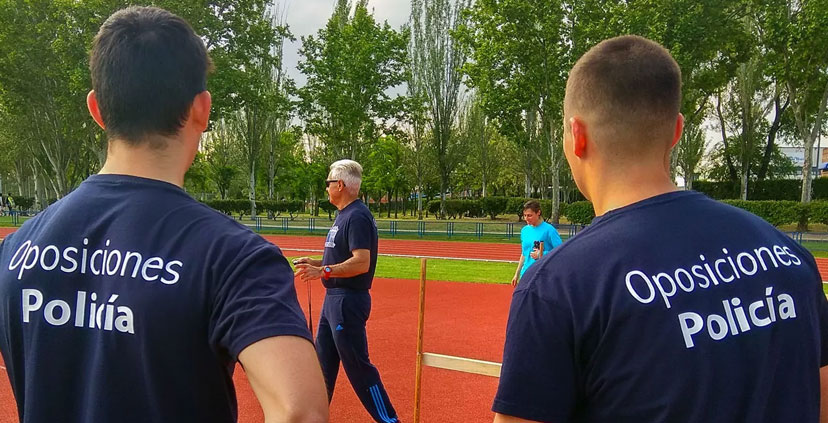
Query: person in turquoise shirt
[[535, 230]]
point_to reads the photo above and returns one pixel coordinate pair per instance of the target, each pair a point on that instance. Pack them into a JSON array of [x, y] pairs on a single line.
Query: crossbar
[[462, 364]]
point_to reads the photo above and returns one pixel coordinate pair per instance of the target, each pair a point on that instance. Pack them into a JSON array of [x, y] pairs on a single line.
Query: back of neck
[[146, 162]]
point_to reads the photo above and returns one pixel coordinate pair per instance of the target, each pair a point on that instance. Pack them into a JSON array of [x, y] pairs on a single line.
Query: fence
[[408, 228]]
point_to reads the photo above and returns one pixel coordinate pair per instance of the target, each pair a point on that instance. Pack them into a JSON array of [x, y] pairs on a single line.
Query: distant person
[[127, 300], [347, 271], [537, 238], [670, 306], [10, 203]]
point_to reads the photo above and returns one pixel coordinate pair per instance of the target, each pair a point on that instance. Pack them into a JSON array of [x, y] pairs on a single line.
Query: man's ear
[[678, 130], [92, 105], [200, 110], [579, 136]]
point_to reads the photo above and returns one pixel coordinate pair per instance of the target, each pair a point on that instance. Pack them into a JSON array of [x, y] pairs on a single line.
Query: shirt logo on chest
[[329, 241]]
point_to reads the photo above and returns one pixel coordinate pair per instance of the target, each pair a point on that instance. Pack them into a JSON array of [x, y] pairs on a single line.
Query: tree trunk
[[252, 194], [744, 183], [779, 110], [419, 202], [730, 168], [555, 213]]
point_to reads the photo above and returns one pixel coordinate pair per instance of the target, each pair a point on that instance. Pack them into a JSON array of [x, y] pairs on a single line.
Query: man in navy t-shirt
[[347, 270], [127, 300], [670, 307]]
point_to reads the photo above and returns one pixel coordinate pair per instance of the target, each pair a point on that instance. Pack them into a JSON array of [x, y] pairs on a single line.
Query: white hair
[[350, 172]]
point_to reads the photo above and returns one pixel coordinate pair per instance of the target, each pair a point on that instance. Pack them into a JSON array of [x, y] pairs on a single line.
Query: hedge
[[22, 203], [782, 189], [457, 208], [775, 212], [242, 206], [580, 212]]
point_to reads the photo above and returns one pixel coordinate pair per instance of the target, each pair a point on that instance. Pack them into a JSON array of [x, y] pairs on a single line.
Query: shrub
[[493, 206], [774, 212], [818, 212], [580, 212]]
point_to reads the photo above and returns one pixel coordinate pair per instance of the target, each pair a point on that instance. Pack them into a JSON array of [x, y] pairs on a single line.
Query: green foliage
[[350, 65], [457, 208], [22, 203], [774, 212], [326, 206], [580, 212], [818, 212], [493, 206], [242, 206], [781, 189], [820, 187]]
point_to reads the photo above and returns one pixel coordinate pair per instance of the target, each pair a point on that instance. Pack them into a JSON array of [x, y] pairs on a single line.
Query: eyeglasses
[[328, 181]]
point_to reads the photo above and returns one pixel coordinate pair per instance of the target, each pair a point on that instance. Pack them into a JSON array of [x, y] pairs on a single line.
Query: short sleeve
[[360, 232], [257, 301], [553, 237], [538, 377]]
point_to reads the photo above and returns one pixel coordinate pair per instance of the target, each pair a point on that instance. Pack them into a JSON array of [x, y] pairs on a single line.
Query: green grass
[[445, 270], [6, 221]]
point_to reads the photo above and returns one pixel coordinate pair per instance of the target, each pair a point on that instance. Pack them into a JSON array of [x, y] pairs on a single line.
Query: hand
[[307, 260], [514, 281], [535, 254], [308, 272]]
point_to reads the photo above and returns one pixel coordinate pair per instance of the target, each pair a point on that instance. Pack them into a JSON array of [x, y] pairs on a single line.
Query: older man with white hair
[[347, 270]]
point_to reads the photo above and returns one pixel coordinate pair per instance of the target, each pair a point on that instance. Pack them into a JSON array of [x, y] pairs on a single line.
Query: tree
[[350, 64], [436, 63], [477, 134], [221, 157], [384, 169], [795, 37], [690, 152], [521, 55], [44, 75]]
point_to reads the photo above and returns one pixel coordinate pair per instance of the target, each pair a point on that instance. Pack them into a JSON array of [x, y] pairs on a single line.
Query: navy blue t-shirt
[[353, 229], [128, 301], [677, 308]]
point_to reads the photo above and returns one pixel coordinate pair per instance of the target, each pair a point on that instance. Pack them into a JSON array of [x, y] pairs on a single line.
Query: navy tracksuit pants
[[341, 337]]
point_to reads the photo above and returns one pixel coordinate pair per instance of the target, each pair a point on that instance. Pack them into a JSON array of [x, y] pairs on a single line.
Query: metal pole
[[310, 309], [420, 327]]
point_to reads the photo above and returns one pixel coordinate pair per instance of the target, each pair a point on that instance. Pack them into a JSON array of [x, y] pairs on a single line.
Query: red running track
[[462, 319]]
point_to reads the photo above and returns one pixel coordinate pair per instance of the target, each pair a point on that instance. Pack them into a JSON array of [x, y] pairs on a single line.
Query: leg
[[352, 344], [326, 350]]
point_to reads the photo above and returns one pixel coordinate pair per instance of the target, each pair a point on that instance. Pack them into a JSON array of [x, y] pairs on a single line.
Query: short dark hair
[[629, 85], [147, 66], [533, 205]]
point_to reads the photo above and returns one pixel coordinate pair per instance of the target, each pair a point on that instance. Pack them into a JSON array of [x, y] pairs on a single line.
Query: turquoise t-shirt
[[529, 234]]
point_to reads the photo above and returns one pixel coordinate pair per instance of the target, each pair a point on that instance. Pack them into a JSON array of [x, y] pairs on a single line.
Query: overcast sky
[[306, 17]]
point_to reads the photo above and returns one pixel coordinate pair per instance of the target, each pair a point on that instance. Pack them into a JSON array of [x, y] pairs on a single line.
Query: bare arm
[[502, 418], [517, 271], [823, 403], [358, 264], [287, 380]]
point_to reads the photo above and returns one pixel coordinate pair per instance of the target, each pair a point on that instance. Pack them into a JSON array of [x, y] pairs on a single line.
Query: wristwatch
[[327, 272]]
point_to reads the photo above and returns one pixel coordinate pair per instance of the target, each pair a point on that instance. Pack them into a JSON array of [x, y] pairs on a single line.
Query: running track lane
[[462, 319]]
